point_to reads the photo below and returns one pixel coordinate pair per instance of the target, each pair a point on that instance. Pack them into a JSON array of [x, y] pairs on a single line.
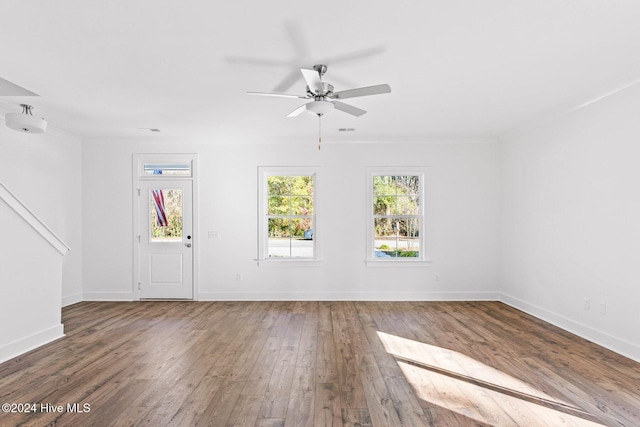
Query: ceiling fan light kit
[[319, 107], [25, 122]]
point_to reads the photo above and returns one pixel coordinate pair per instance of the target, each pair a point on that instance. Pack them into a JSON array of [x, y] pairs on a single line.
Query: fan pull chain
[[319, 130]]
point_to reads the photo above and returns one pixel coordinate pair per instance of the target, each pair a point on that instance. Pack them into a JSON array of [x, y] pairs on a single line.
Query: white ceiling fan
[[323, 98]]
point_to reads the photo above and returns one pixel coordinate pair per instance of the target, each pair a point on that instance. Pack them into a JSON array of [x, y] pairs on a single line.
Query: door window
[[166, 211]]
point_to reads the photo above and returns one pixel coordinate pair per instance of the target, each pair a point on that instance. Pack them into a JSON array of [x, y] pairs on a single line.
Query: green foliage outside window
[[173, 210], [395, 200], [290, 205], [396, 215]]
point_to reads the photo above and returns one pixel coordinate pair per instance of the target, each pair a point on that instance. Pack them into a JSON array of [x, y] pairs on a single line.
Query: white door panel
[[166, 239]]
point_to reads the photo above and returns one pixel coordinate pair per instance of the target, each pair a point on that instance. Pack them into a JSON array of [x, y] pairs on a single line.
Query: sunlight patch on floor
[[468, 387]]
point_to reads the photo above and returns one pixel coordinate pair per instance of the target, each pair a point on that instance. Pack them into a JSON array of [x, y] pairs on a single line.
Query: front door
[[166, 239]]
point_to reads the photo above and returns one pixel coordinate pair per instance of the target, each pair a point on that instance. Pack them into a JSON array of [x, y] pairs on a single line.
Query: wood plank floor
[[317, 364]]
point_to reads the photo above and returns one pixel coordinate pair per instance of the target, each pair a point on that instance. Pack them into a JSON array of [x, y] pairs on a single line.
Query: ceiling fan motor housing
[[326, 90]]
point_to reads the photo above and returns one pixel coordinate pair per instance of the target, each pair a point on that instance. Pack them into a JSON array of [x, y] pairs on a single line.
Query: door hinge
[[138, 192], [138, 239], [139, 286]]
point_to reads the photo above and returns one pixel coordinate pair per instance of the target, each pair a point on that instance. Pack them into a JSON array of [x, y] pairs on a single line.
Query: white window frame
[[370, 258], [263, 228]]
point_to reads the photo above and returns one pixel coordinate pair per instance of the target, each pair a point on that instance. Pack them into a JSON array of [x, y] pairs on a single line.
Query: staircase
[[31, 257]]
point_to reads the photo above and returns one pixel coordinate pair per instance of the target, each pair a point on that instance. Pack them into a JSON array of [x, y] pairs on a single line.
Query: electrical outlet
[[603, 308], [214, 235], [587, 304], [437, 277], [238, 277]]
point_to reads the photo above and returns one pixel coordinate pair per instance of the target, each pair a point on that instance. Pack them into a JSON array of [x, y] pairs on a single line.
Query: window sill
[[275, 262], [393, 263]]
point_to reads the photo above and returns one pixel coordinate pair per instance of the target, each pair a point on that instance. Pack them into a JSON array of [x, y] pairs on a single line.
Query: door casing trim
[[137, 165]]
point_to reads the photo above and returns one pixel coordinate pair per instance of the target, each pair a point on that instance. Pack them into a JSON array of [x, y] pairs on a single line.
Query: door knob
[[188, 245]]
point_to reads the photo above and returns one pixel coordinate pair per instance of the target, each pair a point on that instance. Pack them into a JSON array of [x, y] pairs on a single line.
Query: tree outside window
[[397, 216], [290, 216]]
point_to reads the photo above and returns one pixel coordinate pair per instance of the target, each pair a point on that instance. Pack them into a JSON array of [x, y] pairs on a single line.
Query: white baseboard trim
[[608, 341], [71, 299], [348, 296], [23, 345], [108, 296], [618, 345]]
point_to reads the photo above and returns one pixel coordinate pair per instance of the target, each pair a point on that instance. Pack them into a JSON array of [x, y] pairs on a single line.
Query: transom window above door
[[172, 170], [164, 166]]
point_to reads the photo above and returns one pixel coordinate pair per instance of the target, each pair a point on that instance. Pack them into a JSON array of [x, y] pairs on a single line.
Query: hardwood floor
[[317, 364]]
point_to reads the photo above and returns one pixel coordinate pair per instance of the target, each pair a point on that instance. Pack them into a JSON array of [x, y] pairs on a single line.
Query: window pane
[[385, 237], [279, 238], [279, 205], [302, 205], [279, 227], [383, 205], [302, 249], [406, 205], [300, 226], [302, 185], [408, 184], [396, 185], [302, 238], [290, 238], [383, 185], [409, 237], [397, 237], [165, 208], [167, 169], [279, 185]]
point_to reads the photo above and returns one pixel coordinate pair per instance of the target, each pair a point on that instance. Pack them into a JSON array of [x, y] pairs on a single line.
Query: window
[[167, 169], [287, 223], [396, 215], [165, 210]]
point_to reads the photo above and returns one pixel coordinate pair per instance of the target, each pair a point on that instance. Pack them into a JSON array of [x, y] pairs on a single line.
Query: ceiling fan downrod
[[320, 68]]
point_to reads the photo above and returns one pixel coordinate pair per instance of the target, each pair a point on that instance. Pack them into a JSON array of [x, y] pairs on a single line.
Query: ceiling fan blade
[[361, 91], [248, 60], [298, 111], [11, 89], [354, 55], [298, 38], [349, 109], [312, 77], [288, 81], [281, 95]]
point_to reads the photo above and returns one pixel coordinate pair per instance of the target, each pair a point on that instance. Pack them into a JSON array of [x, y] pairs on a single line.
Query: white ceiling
[[105, 69]]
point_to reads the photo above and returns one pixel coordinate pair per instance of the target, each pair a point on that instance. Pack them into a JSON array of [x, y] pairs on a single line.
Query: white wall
[[571, 221], [31, 289], [43, 171], [463, 216]]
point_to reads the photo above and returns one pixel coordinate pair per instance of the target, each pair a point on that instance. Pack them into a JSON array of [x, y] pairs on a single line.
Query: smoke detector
[[25, 121]]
